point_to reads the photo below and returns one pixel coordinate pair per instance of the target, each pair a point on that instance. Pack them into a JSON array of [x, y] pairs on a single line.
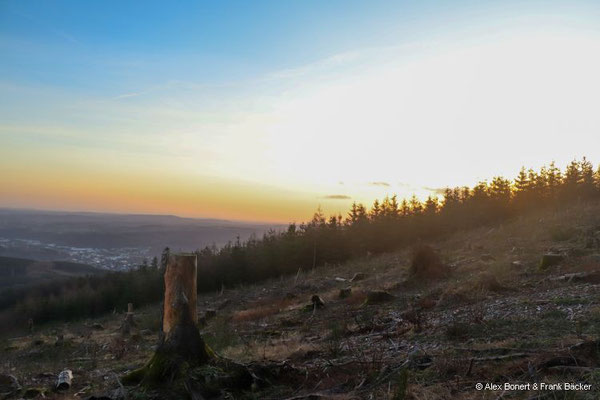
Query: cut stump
[[128, 322], [182, 362], [181, 345]]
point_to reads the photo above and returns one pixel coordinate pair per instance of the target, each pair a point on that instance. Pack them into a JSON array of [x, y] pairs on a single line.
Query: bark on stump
[[181, 346]]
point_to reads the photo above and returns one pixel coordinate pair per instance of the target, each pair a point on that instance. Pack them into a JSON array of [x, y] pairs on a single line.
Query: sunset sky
[[264, 110]]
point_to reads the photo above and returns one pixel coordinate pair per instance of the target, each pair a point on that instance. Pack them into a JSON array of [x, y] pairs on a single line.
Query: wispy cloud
[[334, 61], [379, 183], [337, 197], [435, 190]]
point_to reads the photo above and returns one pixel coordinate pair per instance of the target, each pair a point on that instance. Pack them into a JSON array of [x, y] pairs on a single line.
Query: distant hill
[[112, 241], [22, 272]]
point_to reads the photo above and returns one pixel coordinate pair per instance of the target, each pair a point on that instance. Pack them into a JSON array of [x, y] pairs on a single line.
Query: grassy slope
[[493, 320]]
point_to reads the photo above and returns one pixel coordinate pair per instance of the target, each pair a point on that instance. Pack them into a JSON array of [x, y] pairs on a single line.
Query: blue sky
[[145, 41], [242, 92], [102, 45]]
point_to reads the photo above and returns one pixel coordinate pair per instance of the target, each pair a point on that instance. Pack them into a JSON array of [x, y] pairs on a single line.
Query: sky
[[266, 110]]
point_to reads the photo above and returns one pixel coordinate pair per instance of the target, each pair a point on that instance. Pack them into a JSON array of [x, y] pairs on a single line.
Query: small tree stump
[[345, 292], [128, 323], [317, 301], [64, 380]]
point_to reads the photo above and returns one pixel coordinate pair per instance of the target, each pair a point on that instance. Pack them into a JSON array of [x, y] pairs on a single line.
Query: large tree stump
[[182, 362], [181, 346]]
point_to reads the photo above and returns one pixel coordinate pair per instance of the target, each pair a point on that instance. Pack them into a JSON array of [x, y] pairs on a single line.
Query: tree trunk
[[180, 318], [181, 345], [180, 292]]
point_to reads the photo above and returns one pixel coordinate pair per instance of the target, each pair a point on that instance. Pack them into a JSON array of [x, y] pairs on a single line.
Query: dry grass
[[290, 347], [262, 309], [357, 297]]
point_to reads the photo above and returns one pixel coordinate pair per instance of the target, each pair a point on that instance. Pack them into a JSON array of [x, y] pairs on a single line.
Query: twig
[[470, 367]]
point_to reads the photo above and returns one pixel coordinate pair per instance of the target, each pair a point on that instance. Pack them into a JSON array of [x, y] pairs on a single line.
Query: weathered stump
[[181, 346], [64, 380], [345, 292], [182, 361], [128, 322]]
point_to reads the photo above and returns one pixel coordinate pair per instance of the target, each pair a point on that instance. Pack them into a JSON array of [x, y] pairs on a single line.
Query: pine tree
[[416, 207], [394, 207], [588, 188], [318, 218], [534, 190], [521, 182], [571, 180], [431, 206], [480, 192], [553, 180], [375, 210], [352, 217], [404, 208], [499, 190], [362, 213]]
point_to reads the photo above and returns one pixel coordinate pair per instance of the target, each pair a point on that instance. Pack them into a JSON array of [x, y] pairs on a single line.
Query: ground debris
[[378, 296]]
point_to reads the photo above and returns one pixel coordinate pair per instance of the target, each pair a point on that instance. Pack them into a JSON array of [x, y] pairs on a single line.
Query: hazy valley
[[111, 241]]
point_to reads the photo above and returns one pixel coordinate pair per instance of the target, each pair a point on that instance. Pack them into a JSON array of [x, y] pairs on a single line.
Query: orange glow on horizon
[[71, 189]]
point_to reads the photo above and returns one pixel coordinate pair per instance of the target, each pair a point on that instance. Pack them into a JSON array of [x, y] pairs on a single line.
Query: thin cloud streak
[[438, 191], [379, 183]]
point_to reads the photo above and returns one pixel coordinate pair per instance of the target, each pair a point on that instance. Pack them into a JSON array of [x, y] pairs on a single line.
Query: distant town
[[114, 259], [113, 242]]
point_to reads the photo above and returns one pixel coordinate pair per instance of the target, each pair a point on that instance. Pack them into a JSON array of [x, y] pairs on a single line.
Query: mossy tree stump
[[182, 361], [181, 346]]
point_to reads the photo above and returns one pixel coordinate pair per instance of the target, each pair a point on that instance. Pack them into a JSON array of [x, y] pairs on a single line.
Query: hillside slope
[[21, 271], [497, 318]]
